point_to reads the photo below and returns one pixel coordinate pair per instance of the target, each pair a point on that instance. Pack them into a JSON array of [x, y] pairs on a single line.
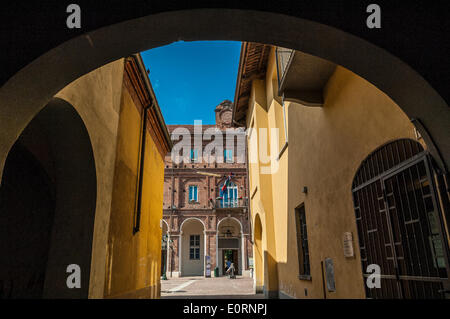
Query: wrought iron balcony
[[302, 77], [231, 203]]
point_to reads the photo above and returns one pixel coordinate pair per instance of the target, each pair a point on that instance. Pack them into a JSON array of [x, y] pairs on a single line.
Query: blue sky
[[191, 78]]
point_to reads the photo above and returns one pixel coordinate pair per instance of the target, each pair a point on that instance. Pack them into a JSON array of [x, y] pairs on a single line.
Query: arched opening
[[192, 250], [229, 245], [399, 221], [47, 206], [23, 96], [258, 259]]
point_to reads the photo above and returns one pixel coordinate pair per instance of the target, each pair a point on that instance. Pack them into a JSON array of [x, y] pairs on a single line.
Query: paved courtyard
[[200, 287]]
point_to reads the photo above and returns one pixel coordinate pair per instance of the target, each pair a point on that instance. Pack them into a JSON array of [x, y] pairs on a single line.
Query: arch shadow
[[48, 212], [22, 96]]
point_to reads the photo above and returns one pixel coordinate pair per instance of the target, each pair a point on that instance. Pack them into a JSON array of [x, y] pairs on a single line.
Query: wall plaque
[[329, 274], [348, 245]]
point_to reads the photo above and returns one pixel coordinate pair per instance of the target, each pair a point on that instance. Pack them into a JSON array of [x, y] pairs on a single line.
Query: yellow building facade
[[303, 159], [134, 244], [91, 162]]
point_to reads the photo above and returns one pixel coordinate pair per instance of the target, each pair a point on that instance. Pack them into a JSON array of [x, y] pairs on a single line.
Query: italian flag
[[226, 183]]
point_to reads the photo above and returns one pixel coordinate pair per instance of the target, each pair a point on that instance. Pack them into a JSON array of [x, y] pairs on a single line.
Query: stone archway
[[192, 247], [230, 239], [47, 206], [21, 97]]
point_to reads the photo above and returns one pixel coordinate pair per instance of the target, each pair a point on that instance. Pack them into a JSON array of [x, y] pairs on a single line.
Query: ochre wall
[[96, 97], [134, 261], [261, 186], [326, 146]]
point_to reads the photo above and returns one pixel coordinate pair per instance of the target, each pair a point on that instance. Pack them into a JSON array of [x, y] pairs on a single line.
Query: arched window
[[229, 196]]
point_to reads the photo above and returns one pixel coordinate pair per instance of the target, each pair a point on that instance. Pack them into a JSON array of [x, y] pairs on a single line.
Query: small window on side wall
[[193, 193], [302, 243]]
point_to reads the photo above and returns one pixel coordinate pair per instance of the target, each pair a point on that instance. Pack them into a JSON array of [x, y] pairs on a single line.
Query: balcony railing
[[231, 203]]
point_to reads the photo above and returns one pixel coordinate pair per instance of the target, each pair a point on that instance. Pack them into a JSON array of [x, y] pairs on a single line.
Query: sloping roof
[[252, 65], [135, 68]]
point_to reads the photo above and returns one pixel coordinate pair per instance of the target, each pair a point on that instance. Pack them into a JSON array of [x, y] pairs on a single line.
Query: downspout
[[153, 103], [138, 204], [283, 106]]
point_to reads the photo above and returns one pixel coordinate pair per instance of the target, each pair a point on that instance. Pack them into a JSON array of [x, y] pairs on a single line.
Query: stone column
[[173, 269], [180, 247], [213, 249]]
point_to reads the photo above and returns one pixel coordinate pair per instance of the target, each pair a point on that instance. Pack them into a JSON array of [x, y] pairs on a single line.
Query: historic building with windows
[[206, 220]]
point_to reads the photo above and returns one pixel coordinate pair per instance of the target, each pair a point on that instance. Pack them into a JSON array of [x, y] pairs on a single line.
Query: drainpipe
[[138, 204], [323, 280], [153, 104]]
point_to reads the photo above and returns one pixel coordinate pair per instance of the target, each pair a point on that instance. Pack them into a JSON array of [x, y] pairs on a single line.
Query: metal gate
[[399, 223]]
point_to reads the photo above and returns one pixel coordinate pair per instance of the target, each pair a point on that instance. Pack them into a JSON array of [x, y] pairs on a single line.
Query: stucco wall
[[326, 146], [261, 189], [96, 97], [134, 261]]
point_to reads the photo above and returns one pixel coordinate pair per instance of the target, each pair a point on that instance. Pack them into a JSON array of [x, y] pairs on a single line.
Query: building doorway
[[399, 223], [232, 256], [229, 245]]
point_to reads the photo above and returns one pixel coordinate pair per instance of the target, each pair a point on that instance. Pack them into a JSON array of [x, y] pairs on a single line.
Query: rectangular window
[[302, 243], [228, 156], [193, 193], [194, 155], [194, 247]]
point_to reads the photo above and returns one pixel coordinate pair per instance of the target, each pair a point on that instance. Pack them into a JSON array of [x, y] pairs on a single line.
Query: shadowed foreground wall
[[73, 164], [47, 207]]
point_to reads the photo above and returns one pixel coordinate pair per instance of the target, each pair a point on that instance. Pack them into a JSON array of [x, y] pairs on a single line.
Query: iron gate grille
[[398, 221]]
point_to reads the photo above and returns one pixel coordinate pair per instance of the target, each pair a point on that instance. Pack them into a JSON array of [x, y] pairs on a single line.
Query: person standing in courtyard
[[228, 264], [231, 270]]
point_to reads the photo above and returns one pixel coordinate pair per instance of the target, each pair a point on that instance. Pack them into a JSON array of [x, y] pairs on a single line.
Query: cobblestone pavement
[[215, 288]]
